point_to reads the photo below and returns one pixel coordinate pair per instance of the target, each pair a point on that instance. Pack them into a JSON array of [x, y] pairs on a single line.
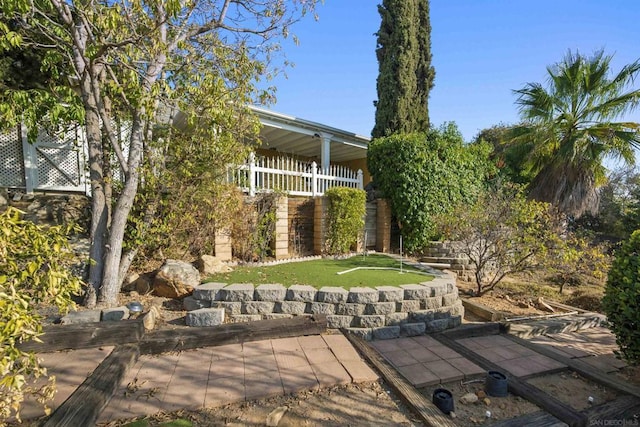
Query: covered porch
[[304, 158]]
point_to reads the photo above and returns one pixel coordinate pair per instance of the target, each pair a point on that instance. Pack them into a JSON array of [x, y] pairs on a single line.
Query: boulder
[[175, 279], [208, 264], [140, 283]]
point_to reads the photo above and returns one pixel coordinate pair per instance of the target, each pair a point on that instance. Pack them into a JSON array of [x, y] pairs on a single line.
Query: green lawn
[[323, 272]]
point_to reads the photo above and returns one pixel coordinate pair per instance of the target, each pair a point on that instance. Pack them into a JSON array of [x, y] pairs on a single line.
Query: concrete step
[[555, 325]]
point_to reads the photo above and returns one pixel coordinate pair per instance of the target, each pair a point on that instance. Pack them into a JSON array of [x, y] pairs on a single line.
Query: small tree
[[34, 268], [575, 259], [621, 302], [346, 218], [501, 233]]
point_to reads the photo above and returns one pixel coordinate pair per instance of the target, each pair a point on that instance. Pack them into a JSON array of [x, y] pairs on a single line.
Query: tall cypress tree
[[405, 75]]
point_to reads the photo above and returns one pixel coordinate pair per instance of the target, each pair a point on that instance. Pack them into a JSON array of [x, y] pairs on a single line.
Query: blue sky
[[482, 50]]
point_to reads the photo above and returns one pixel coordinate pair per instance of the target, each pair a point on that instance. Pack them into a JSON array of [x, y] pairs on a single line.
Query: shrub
[[501, 233], [621, 302], [424, 175], [345, 218], [34, 269], [253, 231]]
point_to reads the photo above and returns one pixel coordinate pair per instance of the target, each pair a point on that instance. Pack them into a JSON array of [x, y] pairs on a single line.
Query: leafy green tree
[[619, 211], [621, 303], [424, 175], [139, 63], [507, 156], [405, 72], [35, 266], [569, 129], [501, 233]]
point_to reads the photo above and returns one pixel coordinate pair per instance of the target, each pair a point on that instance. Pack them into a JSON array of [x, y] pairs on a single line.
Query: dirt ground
[[370, 404], [373, 404]]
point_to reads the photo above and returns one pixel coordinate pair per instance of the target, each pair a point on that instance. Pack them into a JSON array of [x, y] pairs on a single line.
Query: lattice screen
[[60, 160], [11, 161]]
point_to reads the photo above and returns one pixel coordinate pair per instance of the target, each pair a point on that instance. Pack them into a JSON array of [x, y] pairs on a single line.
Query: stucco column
[[222, 245], [383, 226], [282, 228], [319, 225]]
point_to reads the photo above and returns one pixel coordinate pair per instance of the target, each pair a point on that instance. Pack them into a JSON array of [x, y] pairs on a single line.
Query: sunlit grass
[[324, 272]]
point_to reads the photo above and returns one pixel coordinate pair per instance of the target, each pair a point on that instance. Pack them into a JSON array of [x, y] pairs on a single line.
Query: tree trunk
[[110, 279], [99, 208]]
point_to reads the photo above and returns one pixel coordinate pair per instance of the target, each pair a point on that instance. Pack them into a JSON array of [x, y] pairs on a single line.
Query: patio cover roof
[[305, 138]]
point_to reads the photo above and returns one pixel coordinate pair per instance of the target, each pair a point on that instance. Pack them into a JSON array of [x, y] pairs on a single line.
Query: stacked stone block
[[373, 313]]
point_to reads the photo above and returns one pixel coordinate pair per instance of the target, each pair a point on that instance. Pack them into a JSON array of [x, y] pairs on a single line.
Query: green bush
[[34, 269], [621, 302], [424, 175], [345, 218]]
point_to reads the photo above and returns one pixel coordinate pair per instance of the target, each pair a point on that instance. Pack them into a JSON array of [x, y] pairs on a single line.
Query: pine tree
[[404, 62]]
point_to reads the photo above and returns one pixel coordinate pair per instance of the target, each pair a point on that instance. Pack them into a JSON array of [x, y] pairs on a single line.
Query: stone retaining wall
[[373, 313]]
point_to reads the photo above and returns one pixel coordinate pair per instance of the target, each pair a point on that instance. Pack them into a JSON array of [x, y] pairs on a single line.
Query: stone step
[[554, 325]]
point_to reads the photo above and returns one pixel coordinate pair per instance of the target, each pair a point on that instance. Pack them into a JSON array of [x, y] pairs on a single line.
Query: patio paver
[[512, 357]]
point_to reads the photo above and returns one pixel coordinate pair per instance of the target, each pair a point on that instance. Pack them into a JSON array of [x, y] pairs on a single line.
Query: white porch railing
[[294, 177]]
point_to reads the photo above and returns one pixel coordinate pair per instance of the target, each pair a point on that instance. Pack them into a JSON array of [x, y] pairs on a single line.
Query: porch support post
[[252, 174], [325, 152]]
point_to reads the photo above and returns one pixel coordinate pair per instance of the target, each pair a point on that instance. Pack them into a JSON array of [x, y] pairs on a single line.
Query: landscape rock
[[115, 313], [332, 294], [386, 332], [301, 293], [237, 292], [150, 318], [176, 279], [362, 295], [208, 264], [140, 283], [209, 291], [190, 303], [469, 398], [270, 292], [205, 317], [86, 316], [274, 417]]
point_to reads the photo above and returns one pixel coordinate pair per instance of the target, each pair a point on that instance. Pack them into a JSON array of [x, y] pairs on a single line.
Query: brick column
[[222, 245], [281, 240], [383, 226], [319, 224]]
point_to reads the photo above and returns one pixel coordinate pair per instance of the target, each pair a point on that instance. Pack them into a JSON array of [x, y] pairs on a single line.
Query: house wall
[[358, 164], [301, 229], [300, 225]]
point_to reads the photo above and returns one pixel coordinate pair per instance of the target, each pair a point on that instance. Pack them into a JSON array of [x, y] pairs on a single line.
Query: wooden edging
[[482, 311], [518, 387], [190, 338], [85, 335], [537, 419], [84, 405], [580, 367], [615, 413], [423, 407]]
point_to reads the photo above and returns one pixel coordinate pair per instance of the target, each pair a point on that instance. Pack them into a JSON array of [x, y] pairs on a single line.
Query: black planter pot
[[496, 384], [443, 399]]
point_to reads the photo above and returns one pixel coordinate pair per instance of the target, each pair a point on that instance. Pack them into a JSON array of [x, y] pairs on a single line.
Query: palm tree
[[569, 128]]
